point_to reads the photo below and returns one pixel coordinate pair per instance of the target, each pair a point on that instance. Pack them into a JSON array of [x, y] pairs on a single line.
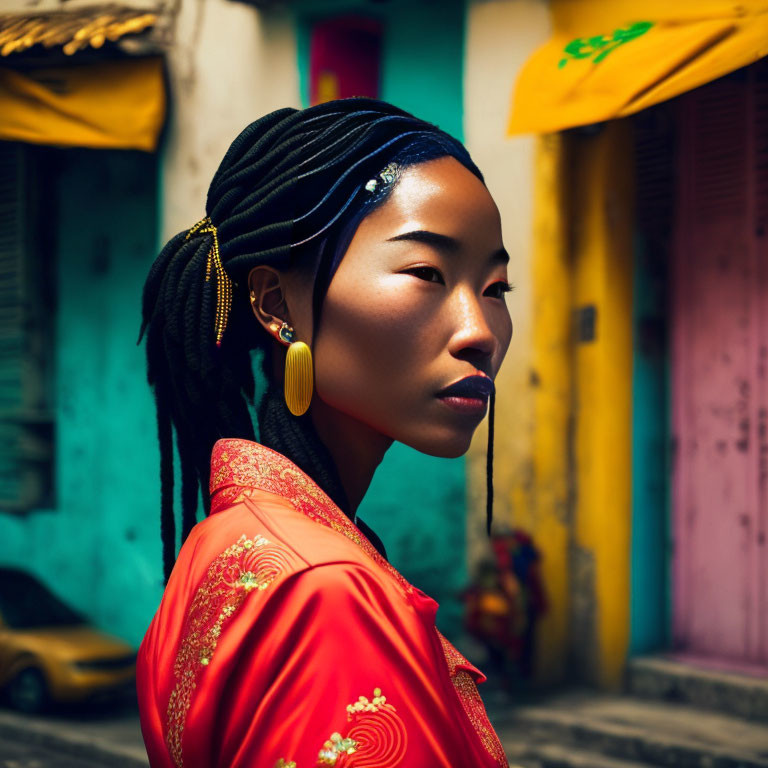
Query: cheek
[[500, 324], [370, 347], [505, 336]]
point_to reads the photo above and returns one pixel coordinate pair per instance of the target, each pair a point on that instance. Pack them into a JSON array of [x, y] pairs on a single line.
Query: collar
[[238, 466]]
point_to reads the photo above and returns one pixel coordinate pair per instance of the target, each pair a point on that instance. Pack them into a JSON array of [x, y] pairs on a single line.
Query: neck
[[356, 448]]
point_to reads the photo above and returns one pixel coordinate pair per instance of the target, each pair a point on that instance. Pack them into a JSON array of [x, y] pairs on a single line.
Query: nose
[[473, 338]]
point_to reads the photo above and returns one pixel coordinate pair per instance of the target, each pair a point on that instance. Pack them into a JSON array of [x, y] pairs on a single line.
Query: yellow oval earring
[[298, 372]]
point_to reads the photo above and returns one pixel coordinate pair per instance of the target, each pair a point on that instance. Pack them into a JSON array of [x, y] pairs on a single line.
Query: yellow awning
[[610, 58], [118, 104]]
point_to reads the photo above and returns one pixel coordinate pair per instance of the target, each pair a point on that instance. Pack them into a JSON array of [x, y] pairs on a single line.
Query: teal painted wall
[[99, 547], [651, 543], [416, 503]]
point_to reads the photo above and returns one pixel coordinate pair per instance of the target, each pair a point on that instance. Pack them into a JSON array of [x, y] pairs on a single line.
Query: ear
[[267, 293]]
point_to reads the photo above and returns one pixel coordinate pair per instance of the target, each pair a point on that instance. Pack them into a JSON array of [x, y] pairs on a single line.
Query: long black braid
[[288, 193]]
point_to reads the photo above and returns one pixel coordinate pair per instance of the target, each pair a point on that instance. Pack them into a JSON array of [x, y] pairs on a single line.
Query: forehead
[[440, 195]]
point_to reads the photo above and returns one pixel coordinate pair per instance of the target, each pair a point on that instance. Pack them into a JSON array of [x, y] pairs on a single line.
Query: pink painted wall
[[719, 318]]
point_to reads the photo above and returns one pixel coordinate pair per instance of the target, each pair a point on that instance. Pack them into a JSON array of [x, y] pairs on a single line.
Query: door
[[719, 361]]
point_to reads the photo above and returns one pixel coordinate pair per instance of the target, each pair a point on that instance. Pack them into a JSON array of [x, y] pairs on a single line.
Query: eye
[[430, 274], [498, 289]]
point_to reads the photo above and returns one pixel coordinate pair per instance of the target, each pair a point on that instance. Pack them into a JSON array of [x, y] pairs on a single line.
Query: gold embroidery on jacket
[[248, 565], [376, 739], [334, 747], [244, 465], [471, 701]]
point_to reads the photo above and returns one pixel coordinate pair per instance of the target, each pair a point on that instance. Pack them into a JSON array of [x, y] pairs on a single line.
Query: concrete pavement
[[78, 737]]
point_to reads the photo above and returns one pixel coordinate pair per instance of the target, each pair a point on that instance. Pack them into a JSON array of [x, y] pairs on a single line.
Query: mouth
[[468, 395]]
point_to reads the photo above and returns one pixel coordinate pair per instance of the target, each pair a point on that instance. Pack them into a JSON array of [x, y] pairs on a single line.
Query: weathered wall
[[602, 231], [229, 65], [553, 492], [98, 547]]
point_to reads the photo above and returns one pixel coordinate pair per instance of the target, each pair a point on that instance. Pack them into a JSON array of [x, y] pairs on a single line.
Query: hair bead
[[223, 282]]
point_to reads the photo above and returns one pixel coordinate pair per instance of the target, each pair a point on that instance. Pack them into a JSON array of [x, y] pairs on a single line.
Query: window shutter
[[26, 423]]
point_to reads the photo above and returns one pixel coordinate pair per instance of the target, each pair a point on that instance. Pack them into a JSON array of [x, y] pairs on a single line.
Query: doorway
[[718, 321]]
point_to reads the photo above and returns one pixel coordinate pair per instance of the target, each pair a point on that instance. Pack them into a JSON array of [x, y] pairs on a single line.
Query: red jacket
[[285, 639]]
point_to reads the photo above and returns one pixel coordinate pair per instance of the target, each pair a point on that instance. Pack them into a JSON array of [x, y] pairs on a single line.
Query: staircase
[[672, 715]]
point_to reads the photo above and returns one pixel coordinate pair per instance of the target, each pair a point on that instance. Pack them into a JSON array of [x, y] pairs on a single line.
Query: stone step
[[532, 755], [669, 680], [645, 732]]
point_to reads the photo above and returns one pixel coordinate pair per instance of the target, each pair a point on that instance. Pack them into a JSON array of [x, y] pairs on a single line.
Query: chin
[[442, 446]]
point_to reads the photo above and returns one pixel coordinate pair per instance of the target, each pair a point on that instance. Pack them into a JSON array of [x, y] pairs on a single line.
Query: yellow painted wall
[[600, 181], [551, 384], [580, 496], [580, 452]]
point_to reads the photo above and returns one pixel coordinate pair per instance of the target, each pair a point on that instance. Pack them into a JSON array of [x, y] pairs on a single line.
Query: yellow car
[[49, 653]]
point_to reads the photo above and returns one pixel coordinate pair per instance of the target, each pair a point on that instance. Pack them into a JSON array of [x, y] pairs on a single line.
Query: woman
[[358, 251]]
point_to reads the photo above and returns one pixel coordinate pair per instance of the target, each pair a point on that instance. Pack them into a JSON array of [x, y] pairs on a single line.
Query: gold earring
[[298, 372]]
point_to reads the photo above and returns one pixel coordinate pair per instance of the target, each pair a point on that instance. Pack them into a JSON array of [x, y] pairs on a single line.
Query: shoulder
[[266, 547], [255, 599]]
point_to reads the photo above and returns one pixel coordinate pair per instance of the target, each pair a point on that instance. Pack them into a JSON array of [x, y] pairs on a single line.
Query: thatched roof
[[71, 30]]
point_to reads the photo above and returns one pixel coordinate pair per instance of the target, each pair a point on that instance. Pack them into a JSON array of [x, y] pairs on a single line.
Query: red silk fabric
[[284, 640]]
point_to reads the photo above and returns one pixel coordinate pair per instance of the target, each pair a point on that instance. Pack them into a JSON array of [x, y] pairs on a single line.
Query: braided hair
[[289, 193]]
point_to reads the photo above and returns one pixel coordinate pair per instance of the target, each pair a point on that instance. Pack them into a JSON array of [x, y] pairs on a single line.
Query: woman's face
[[416, 305]]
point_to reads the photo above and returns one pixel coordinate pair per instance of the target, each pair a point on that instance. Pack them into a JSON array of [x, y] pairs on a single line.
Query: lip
[[469, 388], [469, 395], [469, 406]]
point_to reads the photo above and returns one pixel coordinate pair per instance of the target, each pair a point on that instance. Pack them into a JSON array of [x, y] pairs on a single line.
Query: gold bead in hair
[[223, 282]]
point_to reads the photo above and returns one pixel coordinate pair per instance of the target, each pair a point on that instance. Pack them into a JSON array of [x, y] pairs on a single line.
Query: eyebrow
[[444, 243]]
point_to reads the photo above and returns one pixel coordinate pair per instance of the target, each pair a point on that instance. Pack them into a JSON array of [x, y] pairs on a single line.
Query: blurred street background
[[621, 608]]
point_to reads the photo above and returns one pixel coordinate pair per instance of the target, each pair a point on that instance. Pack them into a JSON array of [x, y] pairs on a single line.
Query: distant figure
[[357, 249], [504, 602]]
